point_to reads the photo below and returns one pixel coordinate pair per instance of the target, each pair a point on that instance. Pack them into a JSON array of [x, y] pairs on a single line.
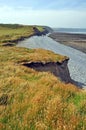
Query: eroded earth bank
[[77, 60]]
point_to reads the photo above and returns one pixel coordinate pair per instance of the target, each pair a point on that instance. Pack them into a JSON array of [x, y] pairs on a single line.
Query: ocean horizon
[[71, 30]]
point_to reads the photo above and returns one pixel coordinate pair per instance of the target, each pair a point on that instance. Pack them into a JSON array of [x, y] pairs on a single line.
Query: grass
[[9, 33], [31, 100], [20, 55]]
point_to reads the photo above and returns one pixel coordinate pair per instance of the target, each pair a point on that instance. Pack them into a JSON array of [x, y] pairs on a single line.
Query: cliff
[[39, 59], [40, 99], [28, 94], [49, 29], [48, 61], [39, 33], [57, 69]]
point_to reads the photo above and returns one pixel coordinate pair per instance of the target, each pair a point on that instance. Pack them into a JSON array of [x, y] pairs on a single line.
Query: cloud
[[45, 4], [53, 18]]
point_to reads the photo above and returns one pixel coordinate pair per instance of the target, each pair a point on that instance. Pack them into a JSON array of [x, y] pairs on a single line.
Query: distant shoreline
[[77, 41]]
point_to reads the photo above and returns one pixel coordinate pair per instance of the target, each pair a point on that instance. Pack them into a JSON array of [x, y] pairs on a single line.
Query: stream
[[76, 64]]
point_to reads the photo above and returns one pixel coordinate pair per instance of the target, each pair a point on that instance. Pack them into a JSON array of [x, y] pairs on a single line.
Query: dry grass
[[36, 100], [31, 100], [20, 55]]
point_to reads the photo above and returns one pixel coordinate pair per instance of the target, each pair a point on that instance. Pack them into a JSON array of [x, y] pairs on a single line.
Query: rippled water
[[77, 62]]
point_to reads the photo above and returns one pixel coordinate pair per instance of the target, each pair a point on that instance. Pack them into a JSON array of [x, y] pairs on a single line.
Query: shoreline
[[22, 38], [76, 41]]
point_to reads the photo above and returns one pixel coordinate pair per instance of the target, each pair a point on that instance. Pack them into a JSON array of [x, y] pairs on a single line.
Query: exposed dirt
[[58, 69]]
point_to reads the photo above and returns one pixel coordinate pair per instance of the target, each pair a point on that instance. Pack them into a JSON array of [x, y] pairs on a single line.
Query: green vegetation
[[12, 33], [31, 100], [40, 28]]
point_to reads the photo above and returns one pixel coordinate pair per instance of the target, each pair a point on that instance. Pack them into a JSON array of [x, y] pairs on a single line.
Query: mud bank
[[56, 68], [77, 41]]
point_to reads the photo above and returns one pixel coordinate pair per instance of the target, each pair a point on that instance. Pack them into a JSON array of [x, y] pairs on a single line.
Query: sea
[[71, 30]]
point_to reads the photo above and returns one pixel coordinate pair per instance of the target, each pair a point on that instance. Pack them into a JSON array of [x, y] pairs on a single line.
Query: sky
[[53, 13]]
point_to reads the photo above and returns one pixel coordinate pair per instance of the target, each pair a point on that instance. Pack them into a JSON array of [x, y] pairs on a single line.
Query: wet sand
[[77, 41]]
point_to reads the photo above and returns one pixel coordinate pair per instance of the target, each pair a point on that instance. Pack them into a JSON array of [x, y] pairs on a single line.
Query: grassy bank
[[9, 33], [31, 100]]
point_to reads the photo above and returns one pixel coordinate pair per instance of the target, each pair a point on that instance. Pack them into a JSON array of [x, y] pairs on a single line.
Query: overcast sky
[[54, 13]]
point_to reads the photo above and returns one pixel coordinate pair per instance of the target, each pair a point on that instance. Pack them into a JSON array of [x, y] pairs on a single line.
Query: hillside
[[36, 100], [12, 33]]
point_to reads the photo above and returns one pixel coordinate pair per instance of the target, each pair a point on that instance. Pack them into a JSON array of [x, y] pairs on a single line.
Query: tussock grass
[[20, 55], [31, 100], [37, 100]]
